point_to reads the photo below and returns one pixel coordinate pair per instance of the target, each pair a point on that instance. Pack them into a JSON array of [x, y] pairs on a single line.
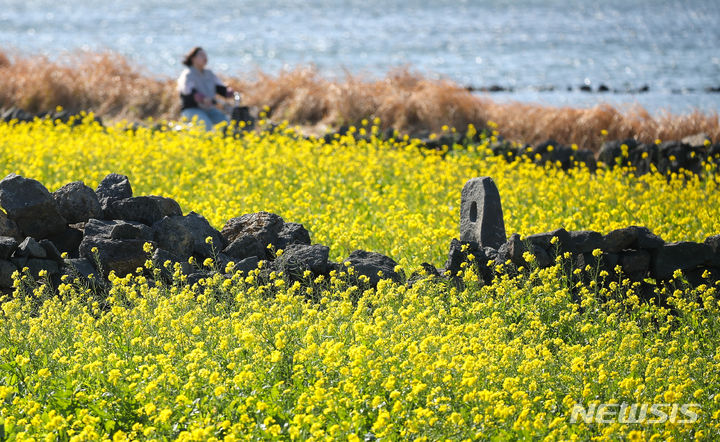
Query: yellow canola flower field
[[260, 357], [379, 196]]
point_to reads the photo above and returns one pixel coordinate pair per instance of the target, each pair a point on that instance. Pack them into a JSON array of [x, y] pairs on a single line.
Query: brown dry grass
[[102, 82], [109, 85]]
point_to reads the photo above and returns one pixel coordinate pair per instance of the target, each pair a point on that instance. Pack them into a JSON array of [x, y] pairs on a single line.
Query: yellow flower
[[113, 375], [164, 415], [577, 365], [462, 359], [149, 408]]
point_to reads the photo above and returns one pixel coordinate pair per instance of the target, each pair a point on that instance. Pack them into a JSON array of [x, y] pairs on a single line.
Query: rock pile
[[689, 154], [78, 230], [635, 251], [22, 116]]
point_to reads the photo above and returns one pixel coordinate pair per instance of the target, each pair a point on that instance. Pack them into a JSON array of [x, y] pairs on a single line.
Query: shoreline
[[110, 86]]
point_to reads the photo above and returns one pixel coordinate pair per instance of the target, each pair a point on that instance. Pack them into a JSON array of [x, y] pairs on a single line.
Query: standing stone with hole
[[481, 217]]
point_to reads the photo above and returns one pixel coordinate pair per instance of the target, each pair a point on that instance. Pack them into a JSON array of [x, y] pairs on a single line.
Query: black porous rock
[[77, 202], [144, 209], [490, 253], [605, 261], [584, 241], [297, 258], [371, 264], [7, 268], [160, 257], [264, 226], [244, 247], [635, 263], [195, 278], [646, 239], [620, 239], [428, 271], [714, 243], [481, 216], [643, 158], [676, 155], [200, 229], [8, 244], [9, 227], [472, 254], [680, 256], [17, 114], [553, 153], [68, 241], [30, 248], [512, 251], [171, 234], [167, 206], [221, 262], [51, 251], [632, 237], [113, 187], [81, 268], [292, 233], [36, 265], [611, 152], [544, 240], [19, 261], [118, 229], [31, 206], [702, 275], [121, 255], [542, 257], [247, 264], [587, 157], [456, 255]]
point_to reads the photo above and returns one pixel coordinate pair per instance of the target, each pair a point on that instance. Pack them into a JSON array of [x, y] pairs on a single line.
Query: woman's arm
[[221, 89]]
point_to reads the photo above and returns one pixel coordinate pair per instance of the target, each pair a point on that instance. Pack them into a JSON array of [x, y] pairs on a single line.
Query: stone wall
[[78, 231], [632, 252]]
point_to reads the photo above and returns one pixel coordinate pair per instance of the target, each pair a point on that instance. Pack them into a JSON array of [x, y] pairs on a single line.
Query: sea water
[[536, 50]]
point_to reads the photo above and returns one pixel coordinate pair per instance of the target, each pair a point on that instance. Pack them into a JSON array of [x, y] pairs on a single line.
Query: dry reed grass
[[105, 83], [109, 85]]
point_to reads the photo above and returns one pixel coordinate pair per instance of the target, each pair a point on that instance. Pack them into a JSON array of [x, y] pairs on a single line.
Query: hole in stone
[[473, 212]]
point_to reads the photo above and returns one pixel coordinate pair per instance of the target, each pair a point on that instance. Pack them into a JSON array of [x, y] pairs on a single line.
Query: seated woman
[[197, 87]]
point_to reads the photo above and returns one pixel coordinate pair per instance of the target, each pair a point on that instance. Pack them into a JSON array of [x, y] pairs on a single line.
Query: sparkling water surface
[[535, 48]]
